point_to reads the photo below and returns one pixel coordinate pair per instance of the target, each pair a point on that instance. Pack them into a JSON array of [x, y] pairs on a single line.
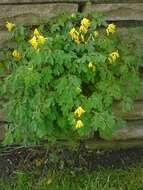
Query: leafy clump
[[64, 78]]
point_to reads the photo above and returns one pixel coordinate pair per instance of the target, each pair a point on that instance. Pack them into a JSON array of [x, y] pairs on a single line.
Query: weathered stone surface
[[113, 145], [135, 114], [140, 93], [120, 11], [29, 14], [67, 1], [5, 41], [134, 130]]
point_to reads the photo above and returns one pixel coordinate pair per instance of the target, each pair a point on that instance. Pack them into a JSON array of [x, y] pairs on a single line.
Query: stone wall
[[127, 14]]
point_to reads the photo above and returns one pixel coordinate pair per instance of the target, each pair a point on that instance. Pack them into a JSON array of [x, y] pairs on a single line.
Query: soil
[[16, 158]]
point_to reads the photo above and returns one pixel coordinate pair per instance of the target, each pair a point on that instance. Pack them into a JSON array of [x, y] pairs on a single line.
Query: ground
[[81, 169]]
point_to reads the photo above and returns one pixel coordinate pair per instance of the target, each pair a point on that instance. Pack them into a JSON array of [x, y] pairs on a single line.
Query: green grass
[[117, 179]]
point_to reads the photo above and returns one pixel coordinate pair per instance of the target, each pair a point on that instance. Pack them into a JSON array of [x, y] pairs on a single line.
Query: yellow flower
[[113, 56], [83, 29], [34, 42], [9, 26], [36, 32], [16, 54], [111, 29], [91, 66], [79, 124], [37, 39], [85, 22], [41, 39], [73, 33], [77, 40], [79, 111]]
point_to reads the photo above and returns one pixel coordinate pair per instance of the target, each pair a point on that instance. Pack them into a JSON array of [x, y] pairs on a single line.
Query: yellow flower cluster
[[111, 29], [85, 24], [37, 39], [78, 113], [16, 54], [91, 66], [79, 124], [77, 36], [113, 56], [9, 26]]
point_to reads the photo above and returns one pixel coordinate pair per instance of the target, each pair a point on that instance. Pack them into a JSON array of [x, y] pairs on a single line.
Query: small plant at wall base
[[65, 76]]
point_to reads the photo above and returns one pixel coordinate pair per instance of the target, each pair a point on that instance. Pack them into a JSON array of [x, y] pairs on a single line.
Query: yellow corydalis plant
[[79, 111], [9, 26], [85, 24], [83, 29], [111, 29], [113, 56], [41, 40], [75, 35], [60, 65], [33, 42], [36, 32], [16, 54], [79, 124], [37, 39]]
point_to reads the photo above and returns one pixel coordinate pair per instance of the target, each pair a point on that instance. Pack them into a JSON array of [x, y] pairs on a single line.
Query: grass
[[117, 179]]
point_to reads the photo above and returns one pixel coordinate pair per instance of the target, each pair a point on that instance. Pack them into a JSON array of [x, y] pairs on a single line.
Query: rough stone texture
[[113, 145], [5, 41], [118, 12], [134, 130], [29, 14], [135, 114], [78, 1], [140, 93], [31, 1]]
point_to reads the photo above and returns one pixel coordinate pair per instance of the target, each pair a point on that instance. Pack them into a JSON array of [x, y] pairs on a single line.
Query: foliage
[[103, 179], [64, 78]]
